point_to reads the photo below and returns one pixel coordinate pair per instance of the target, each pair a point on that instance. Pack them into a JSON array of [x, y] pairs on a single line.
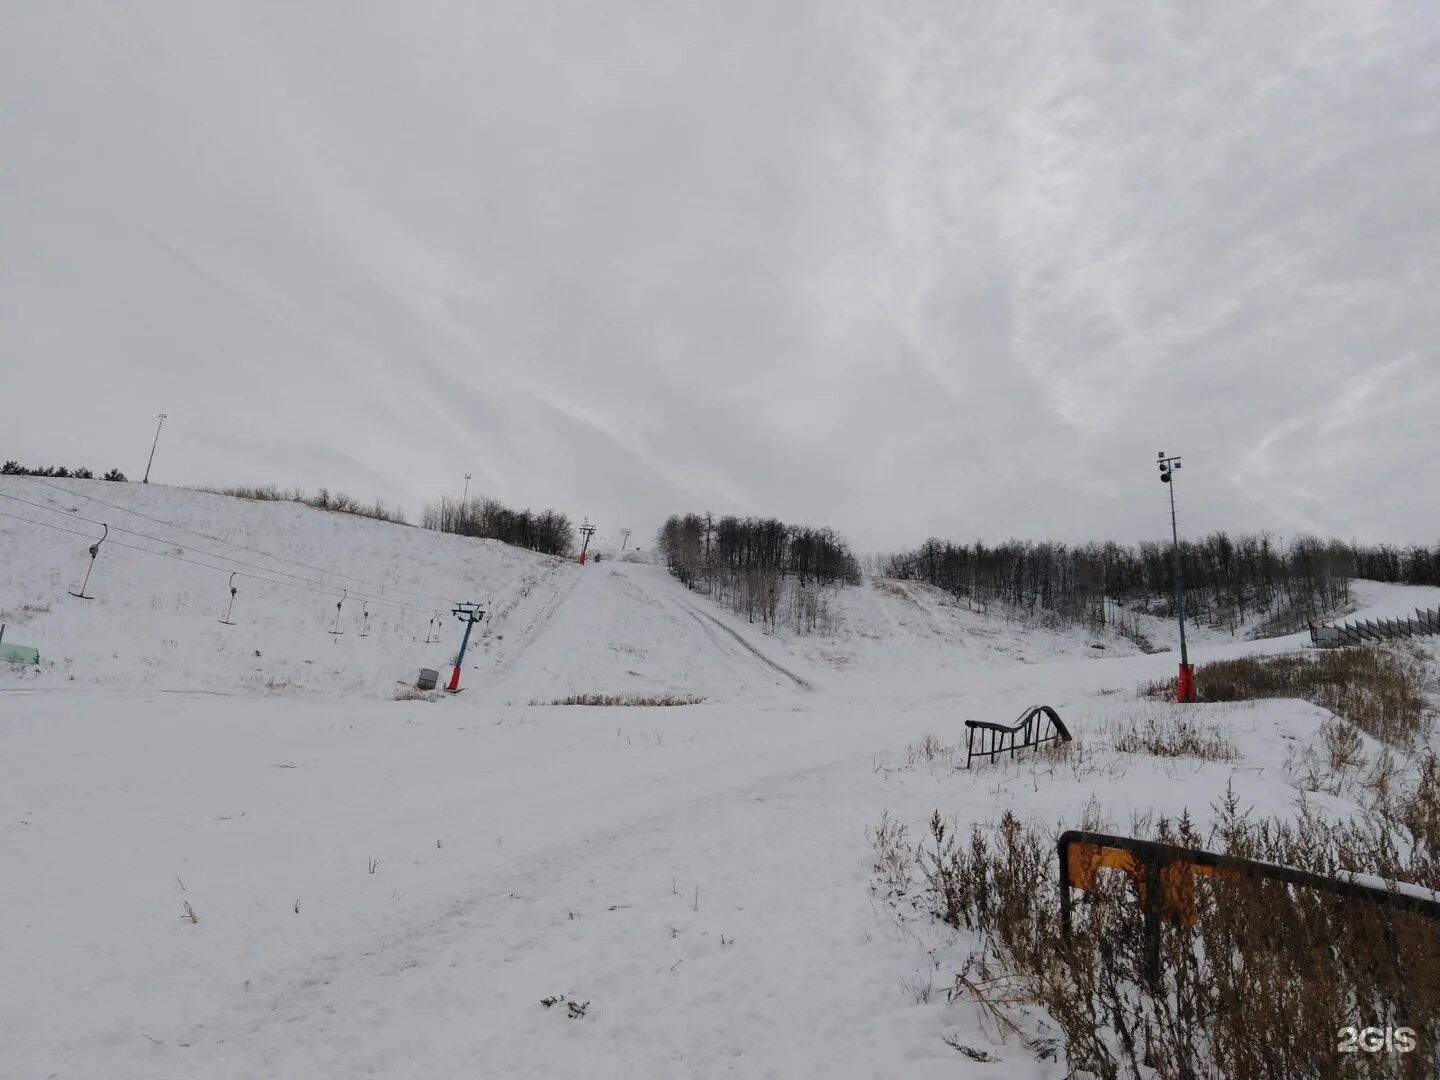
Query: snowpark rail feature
[[1037, 725], [1358, 631], [1164, 877]]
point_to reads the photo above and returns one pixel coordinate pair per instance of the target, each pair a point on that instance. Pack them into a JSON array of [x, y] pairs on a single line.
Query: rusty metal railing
[[1165, 878]]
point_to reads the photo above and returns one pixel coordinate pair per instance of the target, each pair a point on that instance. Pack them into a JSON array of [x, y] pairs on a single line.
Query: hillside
[[232, 866], [161, 586], [160, 589]]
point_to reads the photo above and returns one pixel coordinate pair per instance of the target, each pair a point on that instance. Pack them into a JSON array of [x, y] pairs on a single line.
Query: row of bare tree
[[1229, 581], [549, 532], [761, 568], [1414, 565]]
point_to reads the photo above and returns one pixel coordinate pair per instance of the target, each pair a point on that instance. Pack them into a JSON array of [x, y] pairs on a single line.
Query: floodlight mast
[[1185, 682], [152, 448]]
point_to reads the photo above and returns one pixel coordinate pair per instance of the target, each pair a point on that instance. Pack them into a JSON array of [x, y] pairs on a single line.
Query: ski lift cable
[[222, 540], [207, 554], [199, 551], [322, 590], [310, 587], [218, 539]]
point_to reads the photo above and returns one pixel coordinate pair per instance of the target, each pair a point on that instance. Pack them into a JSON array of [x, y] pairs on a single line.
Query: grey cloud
[[906, 269]]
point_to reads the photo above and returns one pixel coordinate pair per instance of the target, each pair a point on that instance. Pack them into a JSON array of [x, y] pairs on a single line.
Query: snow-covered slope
[[302, 878], [160, 588]]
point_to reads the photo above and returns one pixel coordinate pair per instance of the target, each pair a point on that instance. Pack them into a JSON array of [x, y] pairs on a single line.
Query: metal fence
[[1360, 632]]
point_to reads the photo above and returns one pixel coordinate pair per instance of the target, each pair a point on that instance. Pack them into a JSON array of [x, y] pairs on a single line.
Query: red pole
[[1185, 684], [470, 621]]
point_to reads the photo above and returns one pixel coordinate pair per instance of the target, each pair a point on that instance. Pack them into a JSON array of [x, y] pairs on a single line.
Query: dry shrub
[[1176, 736], [929, 750], [1344, 749], [1382, 691], [893, 855], [1259, 985], [626, 699], [338, 502]]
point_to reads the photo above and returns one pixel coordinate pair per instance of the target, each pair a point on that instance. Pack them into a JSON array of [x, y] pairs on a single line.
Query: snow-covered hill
[[160, 588], [300, 877]]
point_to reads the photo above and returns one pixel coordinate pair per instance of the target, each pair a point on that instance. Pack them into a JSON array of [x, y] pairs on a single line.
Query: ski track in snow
[[516, 642], [704, 620]]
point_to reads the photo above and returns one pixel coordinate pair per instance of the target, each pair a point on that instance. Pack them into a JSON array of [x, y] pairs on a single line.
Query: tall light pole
[[1185, 683], [466, 495], [152, 449]]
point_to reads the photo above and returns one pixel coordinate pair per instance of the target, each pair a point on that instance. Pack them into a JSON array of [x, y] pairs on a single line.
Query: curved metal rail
[[1036, 726]]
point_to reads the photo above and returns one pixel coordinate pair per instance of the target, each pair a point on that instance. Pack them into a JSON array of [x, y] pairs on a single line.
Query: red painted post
[[1185, 685], [582, 558], [472, 614]]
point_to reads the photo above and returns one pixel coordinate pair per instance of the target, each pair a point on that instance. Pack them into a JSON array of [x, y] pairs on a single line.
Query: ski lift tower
[[586, 530], [469, 614]]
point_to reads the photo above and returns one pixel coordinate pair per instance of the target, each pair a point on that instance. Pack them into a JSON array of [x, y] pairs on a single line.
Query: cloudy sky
[[931, 267]]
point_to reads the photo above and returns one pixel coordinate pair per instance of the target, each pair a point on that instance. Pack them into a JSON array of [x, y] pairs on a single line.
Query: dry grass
[[645, 700], [1175, 735], [1382, 691], [894, 857], [1261, 982], [337, 502], [24, 613], [929, 750]]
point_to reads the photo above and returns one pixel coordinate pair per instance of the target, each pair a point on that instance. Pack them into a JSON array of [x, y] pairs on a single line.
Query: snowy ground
[[700, 875]]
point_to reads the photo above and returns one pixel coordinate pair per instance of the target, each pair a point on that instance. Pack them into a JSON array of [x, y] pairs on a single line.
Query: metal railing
[[1165, 877], [1037, 725]]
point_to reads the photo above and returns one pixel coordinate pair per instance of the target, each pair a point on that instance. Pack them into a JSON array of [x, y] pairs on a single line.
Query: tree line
[[1413, 565], [548, 532], [1229, 580], [761, 568], [14, 468]]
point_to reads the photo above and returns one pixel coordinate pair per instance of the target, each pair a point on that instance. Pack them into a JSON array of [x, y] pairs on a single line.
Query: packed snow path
[[616, 627]]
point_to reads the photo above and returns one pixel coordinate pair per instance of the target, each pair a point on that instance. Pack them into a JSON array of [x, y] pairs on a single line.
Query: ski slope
[[390, 888], [160, 587]]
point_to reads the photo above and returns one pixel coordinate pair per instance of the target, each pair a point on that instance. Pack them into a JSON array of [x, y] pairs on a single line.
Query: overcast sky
[[932, 267]]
